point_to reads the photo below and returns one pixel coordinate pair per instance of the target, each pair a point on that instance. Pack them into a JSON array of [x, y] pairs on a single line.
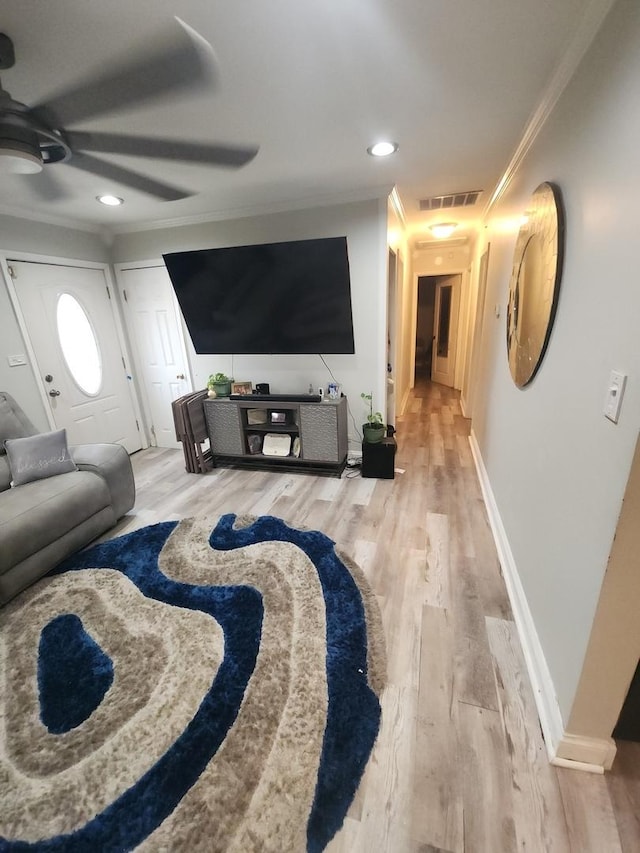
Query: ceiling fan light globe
[[16, 162]]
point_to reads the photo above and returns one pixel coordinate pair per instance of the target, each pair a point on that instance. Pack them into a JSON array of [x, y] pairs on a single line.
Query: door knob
[[54, 393], [180, 376]]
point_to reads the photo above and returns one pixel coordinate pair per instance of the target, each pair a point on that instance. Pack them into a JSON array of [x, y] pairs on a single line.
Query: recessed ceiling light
[[443, 229], [382, 149], [111, 200]]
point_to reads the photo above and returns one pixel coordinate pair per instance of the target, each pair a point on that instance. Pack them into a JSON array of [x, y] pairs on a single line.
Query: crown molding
[[398, 208], [107, 232], [244, 212], [589, 25], [450, 242], [16, 212]]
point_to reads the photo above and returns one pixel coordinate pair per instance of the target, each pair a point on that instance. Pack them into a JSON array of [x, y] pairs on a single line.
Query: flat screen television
[[272, 298]]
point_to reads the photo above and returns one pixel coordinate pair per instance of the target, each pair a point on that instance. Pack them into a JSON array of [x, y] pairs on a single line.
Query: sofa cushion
[[35, 514], [5, 474], [13, 421], [38, 457]]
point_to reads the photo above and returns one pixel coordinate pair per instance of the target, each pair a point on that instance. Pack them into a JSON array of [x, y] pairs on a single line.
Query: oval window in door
[[79, 344]]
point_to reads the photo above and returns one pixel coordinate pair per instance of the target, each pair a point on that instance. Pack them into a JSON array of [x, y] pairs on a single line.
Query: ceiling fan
[[37, 136]]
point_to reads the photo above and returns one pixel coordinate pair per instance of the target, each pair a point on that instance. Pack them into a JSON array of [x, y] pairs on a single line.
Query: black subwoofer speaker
[[378, 460]]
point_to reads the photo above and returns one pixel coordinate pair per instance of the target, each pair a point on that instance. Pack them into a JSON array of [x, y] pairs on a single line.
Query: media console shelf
[[321, 430]]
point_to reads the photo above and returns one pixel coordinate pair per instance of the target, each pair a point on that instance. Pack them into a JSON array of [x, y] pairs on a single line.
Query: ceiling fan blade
[[167, 149], [136, 181], [179, 59]]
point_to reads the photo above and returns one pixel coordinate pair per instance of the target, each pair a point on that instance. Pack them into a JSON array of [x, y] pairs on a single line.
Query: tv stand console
[[237, 428]]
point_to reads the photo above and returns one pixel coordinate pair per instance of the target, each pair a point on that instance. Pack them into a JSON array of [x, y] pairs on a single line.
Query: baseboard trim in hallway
[[585, 753]]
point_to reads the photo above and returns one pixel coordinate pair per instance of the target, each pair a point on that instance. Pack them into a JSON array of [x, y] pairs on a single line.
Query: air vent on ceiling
[[445, 202]]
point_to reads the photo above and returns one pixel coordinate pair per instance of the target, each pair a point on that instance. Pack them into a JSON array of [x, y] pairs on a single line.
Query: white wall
[[364, 224], [19, 236], [556, 466]]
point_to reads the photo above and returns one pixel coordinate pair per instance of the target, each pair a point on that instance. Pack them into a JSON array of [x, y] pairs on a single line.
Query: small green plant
[[219, 385], [372, 417], [215, 378]]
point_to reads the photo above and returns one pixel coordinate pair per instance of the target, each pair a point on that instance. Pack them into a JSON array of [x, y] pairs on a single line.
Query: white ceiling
[[313, 83]]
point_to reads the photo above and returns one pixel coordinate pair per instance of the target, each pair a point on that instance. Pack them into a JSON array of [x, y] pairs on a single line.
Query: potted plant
[[373, 431], [219, 385]]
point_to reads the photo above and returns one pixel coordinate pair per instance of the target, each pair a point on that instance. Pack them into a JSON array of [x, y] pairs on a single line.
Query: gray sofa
[[44, 521]]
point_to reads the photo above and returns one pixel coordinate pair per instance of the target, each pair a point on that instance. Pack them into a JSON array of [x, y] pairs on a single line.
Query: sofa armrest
[[112, 463]]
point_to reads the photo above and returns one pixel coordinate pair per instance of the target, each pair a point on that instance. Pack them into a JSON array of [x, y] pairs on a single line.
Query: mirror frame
[[545, 222]]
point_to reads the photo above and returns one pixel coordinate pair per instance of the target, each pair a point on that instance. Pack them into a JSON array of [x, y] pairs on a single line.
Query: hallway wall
[[557, 467]]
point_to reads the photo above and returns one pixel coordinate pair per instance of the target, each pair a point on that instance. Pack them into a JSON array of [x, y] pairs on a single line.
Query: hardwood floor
[[460, 764]]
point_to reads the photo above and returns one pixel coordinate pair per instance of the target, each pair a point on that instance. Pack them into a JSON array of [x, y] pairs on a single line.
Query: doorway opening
[[438, 301]]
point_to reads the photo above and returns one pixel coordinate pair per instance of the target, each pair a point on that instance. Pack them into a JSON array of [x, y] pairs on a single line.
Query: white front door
[[69, 320], [445, 330], [152, 316]]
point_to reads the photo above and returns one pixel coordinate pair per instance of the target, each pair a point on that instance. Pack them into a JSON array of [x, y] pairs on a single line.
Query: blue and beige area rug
[[189, 687]]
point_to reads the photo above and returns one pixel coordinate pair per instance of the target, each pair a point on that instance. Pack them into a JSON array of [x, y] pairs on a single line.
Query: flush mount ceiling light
[[441, 230], [111, 200], [382, 149]]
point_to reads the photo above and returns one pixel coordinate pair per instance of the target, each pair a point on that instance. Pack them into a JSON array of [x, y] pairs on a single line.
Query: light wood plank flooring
[[459, 764]]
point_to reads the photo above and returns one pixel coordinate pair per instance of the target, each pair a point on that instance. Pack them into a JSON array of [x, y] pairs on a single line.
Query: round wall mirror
[[535, 283]]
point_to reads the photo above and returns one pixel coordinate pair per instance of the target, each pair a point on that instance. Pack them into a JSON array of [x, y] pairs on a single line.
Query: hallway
[[460, 765]]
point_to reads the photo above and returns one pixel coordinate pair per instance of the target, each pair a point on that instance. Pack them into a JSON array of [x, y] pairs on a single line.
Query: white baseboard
[[405, 400], [463, 406], [596, 754], [563, 749]]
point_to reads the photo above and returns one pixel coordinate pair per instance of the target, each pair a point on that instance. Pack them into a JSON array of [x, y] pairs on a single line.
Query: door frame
[[475, 332], [119, 268], [390, 403], [462, 344], [7, 255]]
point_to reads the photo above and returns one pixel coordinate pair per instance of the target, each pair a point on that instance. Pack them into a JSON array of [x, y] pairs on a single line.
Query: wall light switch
[[16, 360], [615, 392]]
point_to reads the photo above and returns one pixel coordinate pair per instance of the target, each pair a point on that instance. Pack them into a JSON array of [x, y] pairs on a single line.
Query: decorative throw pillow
[[38, 456]]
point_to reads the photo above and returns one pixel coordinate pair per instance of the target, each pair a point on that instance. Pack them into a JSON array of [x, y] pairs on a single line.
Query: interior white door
[[153, 323], [69, 320], [445, 330]]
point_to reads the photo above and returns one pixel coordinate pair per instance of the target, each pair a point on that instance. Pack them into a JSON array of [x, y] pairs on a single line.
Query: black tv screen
[[271, 298]]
